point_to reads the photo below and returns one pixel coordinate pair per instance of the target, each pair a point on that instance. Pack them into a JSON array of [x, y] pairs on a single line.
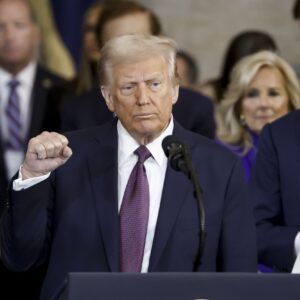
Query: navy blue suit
[[276, 191], [72, 217], [193, 111], [44, 109]]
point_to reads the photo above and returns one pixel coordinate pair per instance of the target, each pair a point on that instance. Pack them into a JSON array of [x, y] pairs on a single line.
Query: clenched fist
[[45, 153]]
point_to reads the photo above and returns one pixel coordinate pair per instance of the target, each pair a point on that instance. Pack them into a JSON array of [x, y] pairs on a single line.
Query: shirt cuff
[[297, 244], [20, 184]]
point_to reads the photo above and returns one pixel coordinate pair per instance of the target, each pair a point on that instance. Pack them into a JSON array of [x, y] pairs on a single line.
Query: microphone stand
[[180, 160]]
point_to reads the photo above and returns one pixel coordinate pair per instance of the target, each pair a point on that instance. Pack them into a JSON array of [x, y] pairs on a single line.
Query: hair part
[[230, 129]]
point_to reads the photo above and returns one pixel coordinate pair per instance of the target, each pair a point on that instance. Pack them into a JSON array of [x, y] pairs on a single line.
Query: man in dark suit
[[60, 202], [193, 111], [34, 112], [37, 86], [276, 192]]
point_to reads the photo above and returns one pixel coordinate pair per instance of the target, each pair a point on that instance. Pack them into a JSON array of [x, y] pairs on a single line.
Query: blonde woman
[[263, 87]]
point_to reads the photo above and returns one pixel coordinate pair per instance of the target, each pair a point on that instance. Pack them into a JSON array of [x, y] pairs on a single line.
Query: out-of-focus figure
[[241, 45], [53, 54], [87, 77], [263, 87], [29, 104], [187, 69]]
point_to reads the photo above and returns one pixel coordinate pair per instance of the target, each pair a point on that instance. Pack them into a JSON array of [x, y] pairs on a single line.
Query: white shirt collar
[[25, 76], [127, 144]]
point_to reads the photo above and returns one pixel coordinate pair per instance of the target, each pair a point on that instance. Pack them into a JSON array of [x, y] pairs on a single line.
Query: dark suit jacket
[[276, 191], [193, 111], [44, 116], [73, 216]]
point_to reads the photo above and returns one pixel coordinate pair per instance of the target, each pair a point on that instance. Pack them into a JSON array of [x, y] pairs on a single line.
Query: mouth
[[264, 117], [144, 115]]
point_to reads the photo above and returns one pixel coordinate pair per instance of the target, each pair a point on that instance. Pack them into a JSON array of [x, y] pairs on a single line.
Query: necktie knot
[[143, 153], [13, 83]]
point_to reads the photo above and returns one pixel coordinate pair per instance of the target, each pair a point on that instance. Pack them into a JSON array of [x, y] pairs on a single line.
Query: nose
[[142, 94], [264, 100], [8, 32]]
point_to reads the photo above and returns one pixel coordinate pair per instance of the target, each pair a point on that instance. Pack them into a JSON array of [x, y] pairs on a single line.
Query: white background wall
[[204, 27]]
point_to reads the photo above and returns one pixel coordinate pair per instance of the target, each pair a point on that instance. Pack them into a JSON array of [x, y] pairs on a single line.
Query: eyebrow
[[129, 79]]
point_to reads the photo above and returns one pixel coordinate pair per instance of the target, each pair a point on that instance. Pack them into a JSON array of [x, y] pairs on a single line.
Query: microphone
[[174, 150], [179, 157]]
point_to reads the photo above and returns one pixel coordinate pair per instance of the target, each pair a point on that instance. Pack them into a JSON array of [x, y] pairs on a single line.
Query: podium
[[180, 286]]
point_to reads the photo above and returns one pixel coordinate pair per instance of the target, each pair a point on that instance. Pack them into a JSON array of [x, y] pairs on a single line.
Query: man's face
[[142, 95], [19, 36], [137, 23]]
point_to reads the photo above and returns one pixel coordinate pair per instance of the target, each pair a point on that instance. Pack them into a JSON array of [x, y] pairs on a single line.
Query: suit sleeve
[[25, 227], [275, 240]]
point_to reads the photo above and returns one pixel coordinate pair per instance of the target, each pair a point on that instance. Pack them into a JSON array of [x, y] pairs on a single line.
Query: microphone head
[[175, 152], [169, 144]]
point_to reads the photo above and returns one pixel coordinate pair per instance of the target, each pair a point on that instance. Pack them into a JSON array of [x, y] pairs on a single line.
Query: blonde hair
[[229, 128], [54, 55], [134, 47]]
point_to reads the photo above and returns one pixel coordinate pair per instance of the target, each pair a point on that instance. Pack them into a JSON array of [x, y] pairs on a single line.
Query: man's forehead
[[16, 9], [140, 77], [147, 67]]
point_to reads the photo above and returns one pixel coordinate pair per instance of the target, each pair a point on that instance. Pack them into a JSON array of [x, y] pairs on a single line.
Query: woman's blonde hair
[[229, 127]]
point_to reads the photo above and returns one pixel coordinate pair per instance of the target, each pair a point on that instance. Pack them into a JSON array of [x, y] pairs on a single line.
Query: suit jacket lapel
[[103, 168], [176, 188], [38, 101], [3, 175], [297, 124]]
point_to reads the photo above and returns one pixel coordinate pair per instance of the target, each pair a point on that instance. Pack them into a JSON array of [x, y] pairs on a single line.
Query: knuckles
[[48, 144]]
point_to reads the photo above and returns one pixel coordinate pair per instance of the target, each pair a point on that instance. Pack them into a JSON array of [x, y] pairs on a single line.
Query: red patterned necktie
[[133, 219]]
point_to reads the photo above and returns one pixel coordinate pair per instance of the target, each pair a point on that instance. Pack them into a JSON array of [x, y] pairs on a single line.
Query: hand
[[45, 153]]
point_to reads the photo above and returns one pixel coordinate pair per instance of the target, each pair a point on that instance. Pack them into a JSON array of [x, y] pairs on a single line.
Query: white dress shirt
[[26, 77], [155, 166], [296, 267]]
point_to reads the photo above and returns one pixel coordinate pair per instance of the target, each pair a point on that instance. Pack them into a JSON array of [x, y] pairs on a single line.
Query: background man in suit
[[193, 110], [25, 107], [276, 192], [77, 204]]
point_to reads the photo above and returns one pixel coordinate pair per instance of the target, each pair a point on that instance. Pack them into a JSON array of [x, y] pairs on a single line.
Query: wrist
[[29, 174]]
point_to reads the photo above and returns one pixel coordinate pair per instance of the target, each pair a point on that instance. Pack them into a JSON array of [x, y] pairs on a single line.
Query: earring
[[242, 120]]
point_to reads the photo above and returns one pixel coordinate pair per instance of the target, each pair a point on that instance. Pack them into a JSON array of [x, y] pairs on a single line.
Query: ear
[[106, 93], [175, 93]]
